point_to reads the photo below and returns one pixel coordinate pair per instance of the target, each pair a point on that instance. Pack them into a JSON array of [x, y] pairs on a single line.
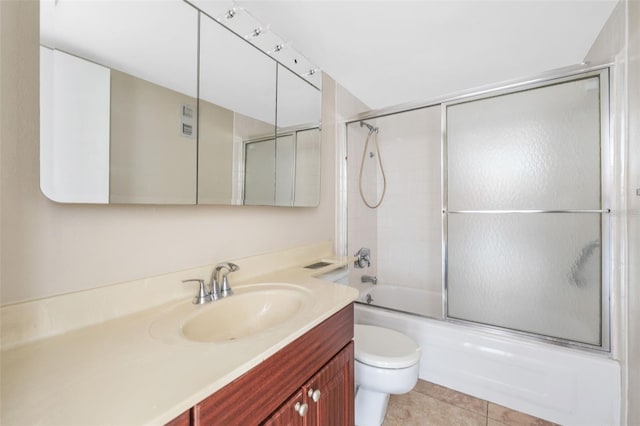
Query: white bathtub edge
[[565, 386]]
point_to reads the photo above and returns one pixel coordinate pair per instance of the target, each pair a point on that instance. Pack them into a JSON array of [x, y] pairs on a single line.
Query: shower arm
[[369, 126]]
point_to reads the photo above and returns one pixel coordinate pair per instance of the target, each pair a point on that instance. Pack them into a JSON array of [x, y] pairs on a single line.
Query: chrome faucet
[[369, 279], [202, 297], [218, 291], [362, 258]]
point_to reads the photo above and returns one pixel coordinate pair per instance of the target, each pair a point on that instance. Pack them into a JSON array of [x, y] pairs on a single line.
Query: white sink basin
[[252, 310]]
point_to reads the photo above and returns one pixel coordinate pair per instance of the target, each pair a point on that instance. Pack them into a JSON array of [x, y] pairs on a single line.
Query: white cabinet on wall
[[74, 118]]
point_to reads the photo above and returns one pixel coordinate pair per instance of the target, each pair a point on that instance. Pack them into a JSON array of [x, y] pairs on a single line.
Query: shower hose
[[384, 178]]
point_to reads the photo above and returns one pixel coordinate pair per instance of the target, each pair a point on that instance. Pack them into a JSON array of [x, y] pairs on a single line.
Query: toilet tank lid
[[384, 348]]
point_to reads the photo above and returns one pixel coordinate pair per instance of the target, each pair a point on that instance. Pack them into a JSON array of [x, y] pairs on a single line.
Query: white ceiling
[[391, 52]]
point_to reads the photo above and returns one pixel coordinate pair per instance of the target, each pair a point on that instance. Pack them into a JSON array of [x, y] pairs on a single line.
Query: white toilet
[[386, 362]]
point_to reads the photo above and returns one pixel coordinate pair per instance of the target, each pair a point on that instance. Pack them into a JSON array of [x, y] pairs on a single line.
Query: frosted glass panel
[[285, 169], [538, 273], [537, 149], [260, 172], [307, 173]]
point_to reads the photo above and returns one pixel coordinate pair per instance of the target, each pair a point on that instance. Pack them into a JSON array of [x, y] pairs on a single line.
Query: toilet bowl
[[386, 362]]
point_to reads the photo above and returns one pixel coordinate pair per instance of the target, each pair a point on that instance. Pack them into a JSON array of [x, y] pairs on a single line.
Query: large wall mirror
[[125, 119], [116, 85], [283, 169], [298, 114], [245, 86]]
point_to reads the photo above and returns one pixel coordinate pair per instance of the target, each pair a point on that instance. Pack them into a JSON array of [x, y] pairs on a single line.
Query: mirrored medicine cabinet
[[158, 103]]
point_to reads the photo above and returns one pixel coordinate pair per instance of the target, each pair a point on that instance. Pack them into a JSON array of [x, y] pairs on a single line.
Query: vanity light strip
[[295, 62]]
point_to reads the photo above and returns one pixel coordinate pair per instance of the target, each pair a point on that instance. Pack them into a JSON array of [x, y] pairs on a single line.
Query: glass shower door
[[524, 212]]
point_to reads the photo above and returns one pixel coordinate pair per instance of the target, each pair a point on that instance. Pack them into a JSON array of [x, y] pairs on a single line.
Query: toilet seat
[[384, 348]]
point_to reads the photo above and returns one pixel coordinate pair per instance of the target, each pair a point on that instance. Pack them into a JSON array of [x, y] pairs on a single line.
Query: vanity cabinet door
[[290, 414], [254, 397], [326, 399], [330, 394]]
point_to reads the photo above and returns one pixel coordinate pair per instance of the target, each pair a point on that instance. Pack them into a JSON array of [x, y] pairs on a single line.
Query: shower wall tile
[[362, 221], [409, 231], [404, 233]]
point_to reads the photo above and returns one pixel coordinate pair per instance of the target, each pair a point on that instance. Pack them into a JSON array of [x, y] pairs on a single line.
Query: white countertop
[[116, 373]]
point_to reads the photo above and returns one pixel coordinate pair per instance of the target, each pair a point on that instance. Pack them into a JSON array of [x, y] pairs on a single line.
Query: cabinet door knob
[[314, 394], [301, 408]]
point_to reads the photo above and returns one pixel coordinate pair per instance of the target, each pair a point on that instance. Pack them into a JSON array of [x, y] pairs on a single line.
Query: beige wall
[[633, 223], [215, 158], [611, 39], [49, 248], [150, 161], [610, 47]]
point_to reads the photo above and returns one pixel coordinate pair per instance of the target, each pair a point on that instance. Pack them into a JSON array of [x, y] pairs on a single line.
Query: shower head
[[369, 126]]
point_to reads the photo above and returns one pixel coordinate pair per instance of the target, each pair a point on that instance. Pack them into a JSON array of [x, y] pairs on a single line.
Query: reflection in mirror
[[153, 155], [298, 141], [233, 74], [299, 102], [307, 182], [74, 128], [121, 121], [260, 172], [118, 101], [284, 171]]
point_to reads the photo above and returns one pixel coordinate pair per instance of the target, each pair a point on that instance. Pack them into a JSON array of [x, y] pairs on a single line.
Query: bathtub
[[563, 385], [403, 299]]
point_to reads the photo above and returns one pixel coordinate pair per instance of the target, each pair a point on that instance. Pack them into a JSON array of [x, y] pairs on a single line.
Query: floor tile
[[417, 409], [433, 405], [451, 396], [514, 418]]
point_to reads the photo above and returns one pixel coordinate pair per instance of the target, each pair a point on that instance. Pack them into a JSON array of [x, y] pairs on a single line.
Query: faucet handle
[[225, 289], [202, 297], [362, 258]]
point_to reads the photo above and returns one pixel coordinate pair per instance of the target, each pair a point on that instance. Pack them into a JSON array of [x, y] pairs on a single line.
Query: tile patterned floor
[[431, 405]]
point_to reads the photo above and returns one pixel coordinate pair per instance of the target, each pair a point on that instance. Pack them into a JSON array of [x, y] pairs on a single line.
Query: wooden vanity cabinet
[[330, 393], [288, 414], [320, 360], [326, 399]]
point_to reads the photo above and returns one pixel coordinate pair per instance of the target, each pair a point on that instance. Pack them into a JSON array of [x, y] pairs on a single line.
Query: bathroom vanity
[[309, 382], [100, 357]]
